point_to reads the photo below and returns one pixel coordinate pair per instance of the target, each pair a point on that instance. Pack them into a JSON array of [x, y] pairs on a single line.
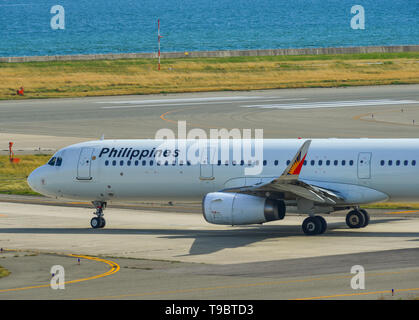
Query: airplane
[[306, 176]]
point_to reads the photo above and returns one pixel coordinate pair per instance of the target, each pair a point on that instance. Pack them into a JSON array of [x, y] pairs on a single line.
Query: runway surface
[[148, 254], [374, 112], [172, 253]]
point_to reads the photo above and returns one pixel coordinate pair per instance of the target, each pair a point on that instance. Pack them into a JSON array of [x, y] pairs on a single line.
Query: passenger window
[[343, 162], [288, 162], [151, 162], [382, 162], [335, 162], [264, 162], [390, 162], [312, 162], [128, 162], [242, 162], [52, 161], [413, 162], [276, 162], [106, 162], [144, 163], [136, 163], [406, 162], [397, 162], [121, 163], [327, 162], [351, 162], [305, 162], [320, 162], [114, 162]]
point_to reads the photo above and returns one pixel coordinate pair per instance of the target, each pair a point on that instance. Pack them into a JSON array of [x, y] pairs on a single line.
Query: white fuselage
[[109, 170]]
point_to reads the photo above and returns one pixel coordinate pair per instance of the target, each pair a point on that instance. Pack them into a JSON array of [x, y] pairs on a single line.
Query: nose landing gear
[[99, 221]]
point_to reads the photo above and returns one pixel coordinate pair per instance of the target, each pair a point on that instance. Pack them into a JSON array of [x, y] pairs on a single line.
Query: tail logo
[[297, 165]]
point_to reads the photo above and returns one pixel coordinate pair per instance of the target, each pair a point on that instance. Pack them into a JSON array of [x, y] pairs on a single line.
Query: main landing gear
[[357, 218], [314, 225], [99, 221]]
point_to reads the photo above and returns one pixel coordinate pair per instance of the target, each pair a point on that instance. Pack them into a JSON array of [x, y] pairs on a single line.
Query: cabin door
[[84, 165]]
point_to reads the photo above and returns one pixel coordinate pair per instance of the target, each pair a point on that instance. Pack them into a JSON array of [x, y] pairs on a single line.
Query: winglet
[[294, 167]]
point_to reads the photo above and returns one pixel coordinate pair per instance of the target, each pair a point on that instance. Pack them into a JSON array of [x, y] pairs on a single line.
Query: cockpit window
[[58, 161], [52, 161]]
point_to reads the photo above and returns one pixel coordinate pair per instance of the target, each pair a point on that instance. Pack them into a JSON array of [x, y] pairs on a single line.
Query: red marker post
[[12, 155]]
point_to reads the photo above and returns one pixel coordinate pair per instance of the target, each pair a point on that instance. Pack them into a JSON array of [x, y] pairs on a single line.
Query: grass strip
[[140, 76]]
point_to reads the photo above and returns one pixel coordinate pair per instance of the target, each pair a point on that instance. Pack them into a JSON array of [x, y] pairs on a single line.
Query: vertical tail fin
[[294, 167]]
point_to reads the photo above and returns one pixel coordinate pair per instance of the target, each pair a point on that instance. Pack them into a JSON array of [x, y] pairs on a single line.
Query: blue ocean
[[105, 26]]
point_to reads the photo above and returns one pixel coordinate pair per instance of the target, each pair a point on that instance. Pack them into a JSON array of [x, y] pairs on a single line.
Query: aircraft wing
[[289, 182]]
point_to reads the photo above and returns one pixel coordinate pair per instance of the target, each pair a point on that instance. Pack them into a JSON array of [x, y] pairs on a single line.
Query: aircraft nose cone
[[34, 180]]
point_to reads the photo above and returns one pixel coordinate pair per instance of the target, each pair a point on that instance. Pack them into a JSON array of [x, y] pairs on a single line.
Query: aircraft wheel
[[312, 226], [355, 219], [95, 223], [323, 223], [366, 216], [102, 222]]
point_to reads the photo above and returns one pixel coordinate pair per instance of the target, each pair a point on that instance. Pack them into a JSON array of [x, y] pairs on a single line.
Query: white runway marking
[[331, 104], [186, 104], [158, 101]]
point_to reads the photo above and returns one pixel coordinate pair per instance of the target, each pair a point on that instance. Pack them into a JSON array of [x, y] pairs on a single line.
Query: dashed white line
[[331, 104]]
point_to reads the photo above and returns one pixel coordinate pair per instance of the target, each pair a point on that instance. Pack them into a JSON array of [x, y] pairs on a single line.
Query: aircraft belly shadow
[[210, 241]]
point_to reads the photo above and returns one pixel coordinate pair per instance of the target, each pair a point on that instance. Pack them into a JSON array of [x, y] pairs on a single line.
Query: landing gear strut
[[99, 221], [314, 225], [357, 218]]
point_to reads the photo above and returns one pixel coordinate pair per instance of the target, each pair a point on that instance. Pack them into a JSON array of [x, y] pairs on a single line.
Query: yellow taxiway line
[[358, 294], [266, 283], [114, 268], [402, 212]]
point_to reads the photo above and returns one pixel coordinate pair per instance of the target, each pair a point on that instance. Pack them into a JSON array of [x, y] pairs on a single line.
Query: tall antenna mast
[[158, 37]]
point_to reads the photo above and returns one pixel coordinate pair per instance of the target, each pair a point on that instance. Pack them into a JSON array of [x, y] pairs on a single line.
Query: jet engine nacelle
[[236, 208]]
